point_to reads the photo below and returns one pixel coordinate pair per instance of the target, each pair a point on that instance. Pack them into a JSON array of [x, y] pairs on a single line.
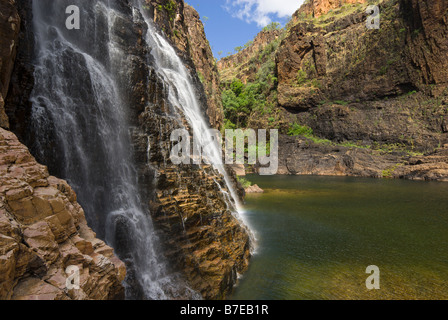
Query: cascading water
[[80, 128], [182, 95], [79, 122]]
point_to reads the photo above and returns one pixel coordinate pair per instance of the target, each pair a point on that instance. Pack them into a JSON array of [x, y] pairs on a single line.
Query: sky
[[232, 23]]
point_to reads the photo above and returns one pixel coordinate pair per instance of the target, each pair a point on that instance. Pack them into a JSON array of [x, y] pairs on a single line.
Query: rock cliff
[[9, 33], [317, 8], [382, 92], [43, 231], [201, 236], [245, 64]]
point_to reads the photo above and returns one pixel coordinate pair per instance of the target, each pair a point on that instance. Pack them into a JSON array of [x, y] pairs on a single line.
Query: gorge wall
[[359, 101], [200, 232], [9, 34]]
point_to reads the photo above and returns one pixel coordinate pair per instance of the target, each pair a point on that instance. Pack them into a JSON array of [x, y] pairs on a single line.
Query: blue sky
[[232, 23]]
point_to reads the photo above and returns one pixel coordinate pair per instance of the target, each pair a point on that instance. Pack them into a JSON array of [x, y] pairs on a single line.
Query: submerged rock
[[254, 189]]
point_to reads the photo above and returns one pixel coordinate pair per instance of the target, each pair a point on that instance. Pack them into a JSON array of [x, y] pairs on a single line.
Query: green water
[[317, 235]]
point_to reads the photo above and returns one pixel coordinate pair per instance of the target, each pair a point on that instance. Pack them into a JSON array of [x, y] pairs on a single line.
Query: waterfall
[[79, 120], [182, 95], [81, 129]]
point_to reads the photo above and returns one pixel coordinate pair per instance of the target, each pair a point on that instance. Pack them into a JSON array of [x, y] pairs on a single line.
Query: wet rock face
[[9, 33], [17, 104], [182, 27], [200, 235], [43, 231]]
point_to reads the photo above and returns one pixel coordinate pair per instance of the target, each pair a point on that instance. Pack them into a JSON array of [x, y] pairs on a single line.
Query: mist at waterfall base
[[81, 131]]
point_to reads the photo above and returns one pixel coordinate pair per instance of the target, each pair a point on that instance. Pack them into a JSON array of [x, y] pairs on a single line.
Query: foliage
[[248, 44], [388, 173], [171, 8], [299, 130], [244, 182], [341, 102], [256, 98], [240, 100], [302, 77], [272, 26], [201, 78]]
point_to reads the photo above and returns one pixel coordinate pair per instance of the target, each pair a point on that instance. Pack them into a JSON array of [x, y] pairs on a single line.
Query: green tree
[[272, 26], [237, 87]]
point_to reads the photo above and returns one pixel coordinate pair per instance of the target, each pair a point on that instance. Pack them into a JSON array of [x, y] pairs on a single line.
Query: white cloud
[[262, 11]]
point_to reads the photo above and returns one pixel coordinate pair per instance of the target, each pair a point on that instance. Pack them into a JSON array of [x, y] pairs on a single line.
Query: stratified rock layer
[[302, 156], [201, 235], [43, 231]]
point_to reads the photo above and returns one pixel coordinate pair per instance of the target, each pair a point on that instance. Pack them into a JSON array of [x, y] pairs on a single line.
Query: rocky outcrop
[[170, 17], [427, 22], [9, 33], [349, 83], [317, 8], [303, 156], [43, 231], [200, 234], [254, 189], [381, 92], [205, 239], [245, 64]]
